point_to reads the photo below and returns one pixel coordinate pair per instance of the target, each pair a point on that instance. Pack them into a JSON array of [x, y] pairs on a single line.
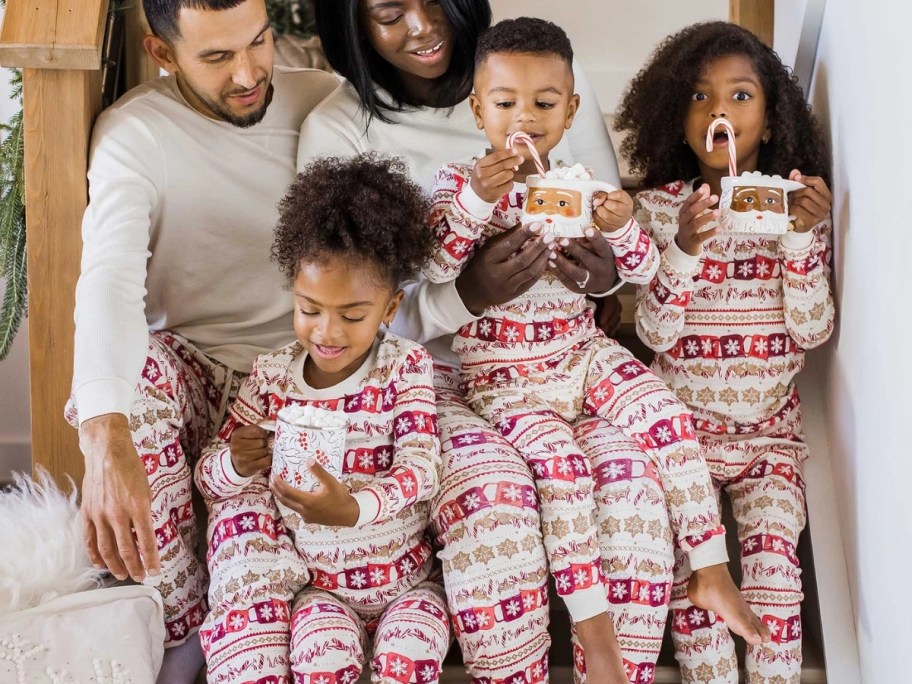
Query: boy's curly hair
[[656, 103], [524, 34], [363, 209]]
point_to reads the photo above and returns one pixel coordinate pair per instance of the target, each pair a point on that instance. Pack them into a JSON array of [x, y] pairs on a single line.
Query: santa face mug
[[305, 432], [754, 203], [561, 200]]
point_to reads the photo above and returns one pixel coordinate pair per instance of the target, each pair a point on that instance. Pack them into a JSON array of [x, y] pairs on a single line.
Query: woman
[[409, 67]]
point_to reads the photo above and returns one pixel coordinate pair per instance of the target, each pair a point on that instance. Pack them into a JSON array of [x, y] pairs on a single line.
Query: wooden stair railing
[[59, 45]]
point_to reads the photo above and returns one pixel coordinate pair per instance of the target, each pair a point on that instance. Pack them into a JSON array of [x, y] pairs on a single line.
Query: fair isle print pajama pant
[[174, 415], [763, 478], [267, 627], [495, 570]]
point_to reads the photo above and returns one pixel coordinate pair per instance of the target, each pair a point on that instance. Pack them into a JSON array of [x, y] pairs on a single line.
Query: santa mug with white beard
[[561, 200], [755, 203]]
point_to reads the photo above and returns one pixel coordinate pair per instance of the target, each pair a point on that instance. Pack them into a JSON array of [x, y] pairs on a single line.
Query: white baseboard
[[14, 456]]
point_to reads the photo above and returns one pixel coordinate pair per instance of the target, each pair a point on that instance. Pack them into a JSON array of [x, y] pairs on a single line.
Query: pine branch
[[12, 224]]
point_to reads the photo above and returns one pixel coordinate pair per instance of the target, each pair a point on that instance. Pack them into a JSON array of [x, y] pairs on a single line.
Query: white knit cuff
[[473, 205], [583, 604], [710, 552], [681, 261], [229, 471], [797, 242], [100, 397], [368, 506]]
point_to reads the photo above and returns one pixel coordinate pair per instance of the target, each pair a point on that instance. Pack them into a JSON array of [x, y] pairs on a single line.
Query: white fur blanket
[[42, 554], [56, 627]]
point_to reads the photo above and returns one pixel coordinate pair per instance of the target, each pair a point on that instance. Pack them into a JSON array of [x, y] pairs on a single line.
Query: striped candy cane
[[523, 137], [732, 155]]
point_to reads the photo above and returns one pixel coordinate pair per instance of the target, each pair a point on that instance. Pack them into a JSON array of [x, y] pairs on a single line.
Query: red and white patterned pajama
[[299, 602], [494, 565], [730, 328], [534, 365]]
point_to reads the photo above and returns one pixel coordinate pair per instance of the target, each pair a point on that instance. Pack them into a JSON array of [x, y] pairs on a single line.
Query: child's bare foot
[[604, 663], [712, 588]]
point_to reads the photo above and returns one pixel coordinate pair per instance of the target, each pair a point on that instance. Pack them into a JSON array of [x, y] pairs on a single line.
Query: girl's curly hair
[[656, 102], [363, 209]]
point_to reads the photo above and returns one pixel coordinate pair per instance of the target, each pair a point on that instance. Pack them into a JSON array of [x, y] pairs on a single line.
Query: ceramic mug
[[295, 444], [754, 203], [562, 205]]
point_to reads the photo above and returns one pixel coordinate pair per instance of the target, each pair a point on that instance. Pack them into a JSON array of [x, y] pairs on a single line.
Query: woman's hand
[[503, 268], [330, 504], [249, 449], [584, 265], [696, 212], [811, 204]]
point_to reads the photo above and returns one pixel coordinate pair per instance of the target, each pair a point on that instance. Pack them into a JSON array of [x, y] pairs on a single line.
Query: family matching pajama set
[[177, 294], [306, 603], [535, 366], [730, 328]]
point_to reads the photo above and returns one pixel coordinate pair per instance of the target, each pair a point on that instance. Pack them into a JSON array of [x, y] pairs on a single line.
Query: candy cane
[[523, 137], [732, 156]]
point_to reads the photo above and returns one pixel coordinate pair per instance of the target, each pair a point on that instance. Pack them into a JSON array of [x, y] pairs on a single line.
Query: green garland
[[12, 224], [294, 17]]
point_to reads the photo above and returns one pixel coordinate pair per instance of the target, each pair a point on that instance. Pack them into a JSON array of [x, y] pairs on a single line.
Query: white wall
[[861, 93], [612, 38], [14, 398]]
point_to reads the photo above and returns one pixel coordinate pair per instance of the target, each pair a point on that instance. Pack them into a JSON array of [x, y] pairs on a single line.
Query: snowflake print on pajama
[[175, 412], [730, 328], [298, 602]]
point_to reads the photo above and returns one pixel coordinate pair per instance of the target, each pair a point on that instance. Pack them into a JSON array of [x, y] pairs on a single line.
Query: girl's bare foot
[[712, 588], [604, 663]]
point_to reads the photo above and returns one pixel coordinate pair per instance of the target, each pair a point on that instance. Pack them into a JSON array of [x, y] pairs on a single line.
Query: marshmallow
[[575, 172], [312, 417]]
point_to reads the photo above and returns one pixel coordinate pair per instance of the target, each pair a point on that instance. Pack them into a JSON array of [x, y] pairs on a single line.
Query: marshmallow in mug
[[305, 432], [311, 416], [755, 203], [561, 200]]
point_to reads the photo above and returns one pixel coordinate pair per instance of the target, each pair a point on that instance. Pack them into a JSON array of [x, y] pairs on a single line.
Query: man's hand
[[249, 449], [492, 175], [585, 265], [502, 269], [608, 314], [116, 500], [330, 504]]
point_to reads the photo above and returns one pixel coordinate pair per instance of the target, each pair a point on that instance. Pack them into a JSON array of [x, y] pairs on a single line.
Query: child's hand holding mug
[[611, 210], [811, 204], [249, 449], [696, 212], [329, 504]]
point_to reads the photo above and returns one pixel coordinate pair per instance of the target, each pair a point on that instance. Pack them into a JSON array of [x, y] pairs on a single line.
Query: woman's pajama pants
[[762, 475], [494, 562]]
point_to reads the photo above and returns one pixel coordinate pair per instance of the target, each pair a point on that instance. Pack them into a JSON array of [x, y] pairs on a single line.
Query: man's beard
[[226, 115], [746, 222]]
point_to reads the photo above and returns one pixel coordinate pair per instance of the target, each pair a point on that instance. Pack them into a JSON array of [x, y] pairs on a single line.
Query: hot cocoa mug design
[[562, 205], [297, 439]]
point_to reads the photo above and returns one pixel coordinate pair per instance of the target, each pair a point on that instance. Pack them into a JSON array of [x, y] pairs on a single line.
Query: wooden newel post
[[58, 44]]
